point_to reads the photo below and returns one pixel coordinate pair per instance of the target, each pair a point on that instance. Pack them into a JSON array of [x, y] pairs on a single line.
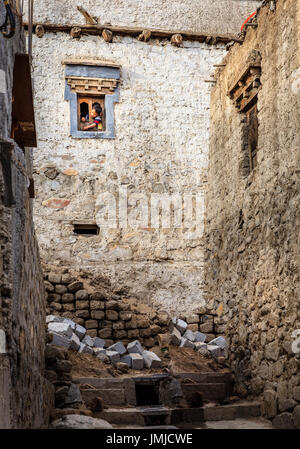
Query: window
[[84, 109], [23, 123], [87, 84], [86, 229], [252, 125], [244, 93]]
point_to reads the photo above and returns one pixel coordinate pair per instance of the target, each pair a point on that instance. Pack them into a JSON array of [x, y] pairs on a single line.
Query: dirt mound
[[178, 360]]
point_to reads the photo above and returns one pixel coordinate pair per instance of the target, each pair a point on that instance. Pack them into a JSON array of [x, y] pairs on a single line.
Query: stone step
[[147, 416], [110, 396], [232, 411], [215, 392]]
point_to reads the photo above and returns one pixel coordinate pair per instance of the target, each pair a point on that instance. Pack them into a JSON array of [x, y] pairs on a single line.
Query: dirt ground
[[177, 360]]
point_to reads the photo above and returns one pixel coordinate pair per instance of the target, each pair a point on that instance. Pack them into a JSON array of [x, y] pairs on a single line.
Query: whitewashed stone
[[74, 343], [200, 337], [60, 328], [181, 326], [54, 319], [87, 340], [151, 360], [126, 359], [98, 342], [186, 343], [200, 345], [135, 347], [137, 361], [80, 331], [119, 347], [189, 335], [70, 322], [85, 349], [113, 356], [98, 351], [215, 350], [60, 340], [219, 341]]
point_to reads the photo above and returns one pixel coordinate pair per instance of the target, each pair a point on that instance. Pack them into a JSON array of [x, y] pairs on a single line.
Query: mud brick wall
[[252, 220], [113, 315]]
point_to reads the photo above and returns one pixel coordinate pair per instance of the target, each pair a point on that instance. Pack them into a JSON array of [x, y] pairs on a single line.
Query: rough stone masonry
[[25, 395], [252, 246]]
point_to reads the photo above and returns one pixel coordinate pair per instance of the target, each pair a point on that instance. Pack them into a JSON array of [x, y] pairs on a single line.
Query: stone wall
[[161, 147], [25, 396], [252, 221], [113, 314]]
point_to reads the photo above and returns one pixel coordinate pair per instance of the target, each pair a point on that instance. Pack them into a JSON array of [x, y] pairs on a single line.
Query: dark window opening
[[86, 229], [23, 123], [147, 393], [91, 113], [252, 124]]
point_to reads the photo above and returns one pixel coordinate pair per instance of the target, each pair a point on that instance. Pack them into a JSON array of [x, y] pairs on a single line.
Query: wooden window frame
[[90, 99]]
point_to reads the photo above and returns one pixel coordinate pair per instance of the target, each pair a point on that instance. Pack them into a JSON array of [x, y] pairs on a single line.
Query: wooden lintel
[[135, 32]]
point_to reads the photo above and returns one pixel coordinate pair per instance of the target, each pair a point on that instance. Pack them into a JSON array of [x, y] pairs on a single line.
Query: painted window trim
[[110, 99]]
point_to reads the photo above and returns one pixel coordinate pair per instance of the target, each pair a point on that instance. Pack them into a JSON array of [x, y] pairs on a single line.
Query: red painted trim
[[247, 20]]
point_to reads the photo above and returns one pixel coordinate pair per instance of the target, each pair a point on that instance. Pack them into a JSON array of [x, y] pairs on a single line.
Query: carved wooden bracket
[[93, 86], [244, 90]]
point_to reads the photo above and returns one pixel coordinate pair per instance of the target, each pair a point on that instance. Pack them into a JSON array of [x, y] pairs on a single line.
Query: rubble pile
[[65, 332], [184, 337], [71, 335]]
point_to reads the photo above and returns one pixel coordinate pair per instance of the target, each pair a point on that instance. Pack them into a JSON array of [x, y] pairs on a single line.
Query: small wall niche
[[86, 229]]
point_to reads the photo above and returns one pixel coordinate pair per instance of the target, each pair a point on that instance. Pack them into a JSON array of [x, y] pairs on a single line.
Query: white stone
[[181, 326], [215, 350], [186, 343], [135, 347], [98, 351], [54, 319], [98, 342], [137, 361], [85, 349], [126, 359], [219, 341], [75, 343], [60, 340], [119, 347], [70, 322], [60, 328], [189, 335], [2, 342], [114, 356], [87, 340], [80, 331], [151, 360], [200, 345], [200, 337]]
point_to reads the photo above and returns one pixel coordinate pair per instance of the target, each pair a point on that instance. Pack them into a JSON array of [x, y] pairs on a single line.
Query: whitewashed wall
[[161, 146]]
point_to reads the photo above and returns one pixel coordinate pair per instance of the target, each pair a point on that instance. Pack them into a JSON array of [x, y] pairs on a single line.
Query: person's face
[[94, 113]]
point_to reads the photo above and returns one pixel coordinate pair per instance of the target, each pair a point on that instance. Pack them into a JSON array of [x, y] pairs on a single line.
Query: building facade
[[128, 200]]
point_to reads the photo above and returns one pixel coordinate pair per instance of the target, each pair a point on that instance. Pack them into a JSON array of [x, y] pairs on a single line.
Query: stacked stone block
[[102, 312]]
